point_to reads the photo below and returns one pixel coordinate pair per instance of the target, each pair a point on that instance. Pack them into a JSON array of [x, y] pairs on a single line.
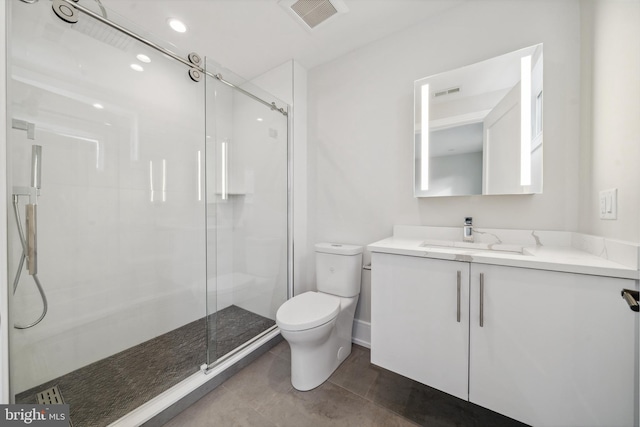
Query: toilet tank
[[338, 269]]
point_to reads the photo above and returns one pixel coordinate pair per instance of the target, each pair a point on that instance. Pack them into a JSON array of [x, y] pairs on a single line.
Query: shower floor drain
[[50, 396]]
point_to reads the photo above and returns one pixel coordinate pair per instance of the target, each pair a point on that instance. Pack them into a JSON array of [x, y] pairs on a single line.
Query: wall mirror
[[478, 129]]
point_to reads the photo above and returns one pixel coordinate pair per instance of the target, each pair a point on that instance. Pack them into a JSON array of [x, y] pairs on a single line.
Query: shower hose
[[23, 257]]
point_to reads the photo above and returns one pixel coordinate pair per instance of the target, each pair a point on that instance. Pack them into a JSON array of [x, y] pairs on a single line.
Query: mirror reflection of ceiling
[[497, 75], [473, 89], [456, 140]]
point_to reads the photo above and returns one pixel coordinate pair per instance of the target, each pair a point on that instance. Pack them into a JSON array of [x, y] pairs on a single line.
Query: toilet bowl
[[318, 325]]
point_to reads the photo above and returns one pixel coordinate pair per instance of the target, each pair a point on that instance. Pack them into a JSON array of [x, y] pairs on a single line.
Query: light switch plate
[[608, 205]]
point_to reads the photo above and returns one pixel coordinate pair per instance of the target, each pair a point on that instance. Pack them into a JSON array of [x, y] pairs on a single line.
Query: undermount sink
[[492, 247]]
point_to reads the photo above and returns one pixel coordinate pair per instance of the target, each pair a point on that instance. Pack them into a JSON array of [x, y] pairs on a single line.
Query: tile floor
[[357, 394]]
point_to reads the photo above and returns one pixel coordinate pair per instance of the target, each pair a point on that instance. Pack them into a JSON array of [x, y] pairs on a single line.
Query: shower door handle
[[224, 170], [32, 244]]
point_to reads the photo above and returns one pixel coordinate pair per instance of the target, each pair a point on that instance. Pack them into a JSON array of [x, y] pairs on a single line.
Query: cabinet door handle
[[481, 300], [459, 285]]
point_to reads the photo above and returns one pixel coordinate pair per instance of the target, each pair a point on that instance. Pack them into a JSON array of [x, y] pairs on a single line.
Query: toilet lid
[[307, 311]]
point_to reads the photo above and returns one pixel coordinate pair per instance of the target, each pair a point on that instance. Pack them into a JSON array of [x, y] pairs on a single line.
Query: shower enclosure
[[161, 241]]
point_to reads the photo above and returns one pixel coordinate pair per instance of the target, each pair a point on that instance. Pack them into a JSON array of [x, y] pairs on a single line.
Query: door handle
[[481, 300], [631, 297], [459, 286]]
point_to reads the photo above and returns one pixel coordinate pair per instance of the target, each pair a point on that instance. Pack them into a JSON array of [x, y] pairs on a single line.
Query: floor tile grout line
[[260, 409], [255, 406], [378, 405], [366, 394], [263, 416], [351, 392], [278, 355], [394, 412], [369, 399]]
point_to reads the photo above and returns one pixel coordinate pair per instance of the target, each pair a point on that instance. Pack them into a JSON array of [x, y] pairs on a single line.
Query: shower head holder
[[31, 192]]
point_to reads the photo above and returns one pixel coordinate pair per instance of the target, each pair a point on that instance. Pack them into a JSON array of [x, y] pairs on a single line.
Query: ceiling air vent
[[314, 12], [446, 92]]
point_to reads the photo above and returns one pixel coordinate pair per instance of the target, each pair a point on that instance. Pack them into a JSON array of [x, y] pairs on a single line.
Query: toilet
[[318, 325]]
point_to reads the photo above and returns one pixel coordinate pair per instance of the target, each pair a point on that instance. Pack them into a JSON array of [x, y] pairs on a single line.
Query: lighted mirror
[[478, 129]]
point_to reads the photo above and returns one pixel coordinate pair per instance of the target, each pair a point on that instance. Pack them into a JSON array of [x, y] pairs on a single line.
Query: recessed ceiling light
[[177, 25], [137, 67], [260, 119], [143, 58], [98, 106]]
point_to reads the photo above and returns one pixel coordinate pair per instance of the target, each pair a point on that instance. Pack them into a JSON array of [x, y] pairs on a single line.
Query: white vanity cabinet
[[554, 349], [420, 322]]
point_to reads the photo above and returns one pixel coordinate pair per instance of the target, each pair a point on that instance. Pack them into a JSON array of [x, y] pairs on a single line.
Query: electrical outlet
[[608, 205]]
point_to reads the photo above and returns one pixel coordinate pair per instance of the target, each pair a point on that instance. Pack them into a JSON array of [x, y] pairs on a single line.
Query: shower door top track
[[74, 5]]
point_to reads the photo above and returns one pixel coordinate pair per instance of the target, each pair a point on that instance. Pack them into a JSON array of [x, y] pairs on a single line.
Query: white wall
[[361, 125], [611, 115]]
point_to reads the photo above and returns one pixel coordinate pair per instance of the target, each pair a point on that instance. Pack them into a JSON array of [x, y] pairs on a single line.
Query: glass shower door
[[246, 213], [120, 215]]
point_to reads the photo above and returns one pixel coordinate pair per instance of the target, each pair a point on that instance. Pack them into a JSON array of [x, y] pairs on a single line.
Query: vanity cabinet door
[[554, 349], [420, 320]]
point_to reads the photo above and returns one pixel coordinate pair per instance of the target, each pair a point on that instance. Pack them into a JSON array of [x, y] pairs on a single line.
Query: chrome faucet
[[467, 230]]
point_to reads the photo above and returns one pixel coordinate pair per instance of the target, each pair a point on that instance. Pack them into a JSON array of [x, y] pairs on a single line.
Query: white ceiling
[[250, 37]]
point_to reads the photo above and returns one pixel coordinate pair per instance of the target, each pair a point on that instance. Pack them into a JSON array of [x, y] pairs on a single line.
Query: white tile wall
[[118, 267]]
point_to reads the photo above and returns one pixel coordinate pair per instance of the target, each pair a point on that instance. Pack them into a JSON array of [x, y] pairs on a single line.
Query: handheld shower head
[[36, 166]]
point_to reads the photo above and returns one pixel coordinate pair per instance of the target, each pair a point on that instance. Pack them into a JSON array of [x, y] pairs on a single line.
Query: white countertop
[[564, 258]]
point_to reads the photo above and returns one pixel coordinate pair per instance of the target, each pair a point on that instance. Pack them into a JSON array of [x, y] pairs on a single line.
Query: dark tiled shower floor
[[104, 391]]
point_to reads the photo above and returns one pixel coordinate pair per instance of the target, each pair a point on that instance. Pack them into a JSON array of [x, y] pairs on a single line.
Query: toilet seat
[[307, 311]]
